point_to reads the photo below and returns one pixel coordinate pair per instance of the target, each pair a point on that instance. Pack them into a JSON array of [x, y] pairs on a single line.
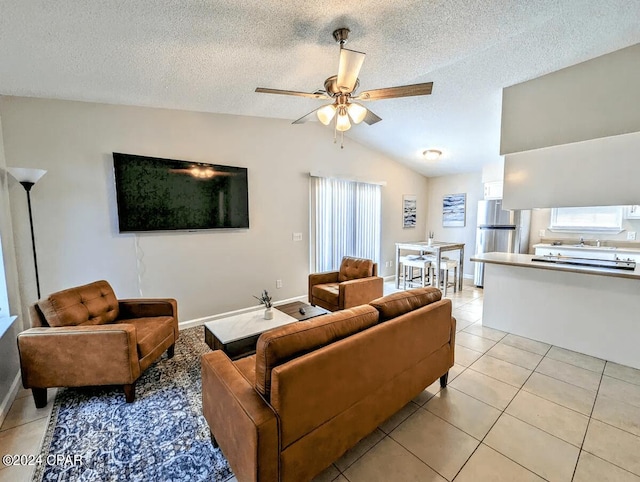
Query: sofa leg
[[130, 392], [214, 441], [171, 351], [443, 380], [39, 397]]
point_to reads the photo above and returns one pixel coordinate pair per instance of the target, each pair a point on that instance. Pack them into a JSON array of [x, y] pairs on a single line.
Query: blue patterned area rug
[[161, 436]]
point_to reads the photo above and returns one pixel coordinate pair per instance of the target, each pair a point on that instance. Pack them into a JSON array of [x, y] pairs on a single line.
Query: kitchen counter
[[585, 309], [524, 260]]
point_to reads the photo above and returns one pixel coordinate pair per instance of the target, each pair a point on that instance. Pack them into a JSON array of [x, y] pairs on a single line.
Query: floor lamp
[[28, 177]]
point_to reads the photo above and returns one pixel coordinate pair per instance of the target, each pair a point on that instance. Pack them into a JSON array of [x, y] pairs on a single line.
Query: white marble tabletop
[[237, 327]]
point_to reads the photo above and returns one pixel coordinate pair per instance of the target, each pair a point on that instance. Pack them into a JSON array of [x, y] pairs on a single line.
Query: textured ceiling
[[210, 55]]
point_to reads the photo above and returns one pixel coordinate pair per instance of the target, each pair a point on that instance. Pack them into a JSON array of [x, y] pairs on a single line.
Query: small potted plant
[[265, 299]]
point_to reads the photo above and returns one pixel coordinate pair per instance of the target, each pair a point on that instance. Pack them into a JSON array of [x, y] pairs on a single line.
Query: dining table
[[435, 248]]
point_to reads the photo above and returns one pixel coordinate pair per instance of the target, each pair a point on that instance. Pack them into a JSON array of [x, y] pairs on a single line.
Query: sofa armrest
[[76, 356], [453, 339], [320, 278], [360, 291], [147, 307], [243, 424]]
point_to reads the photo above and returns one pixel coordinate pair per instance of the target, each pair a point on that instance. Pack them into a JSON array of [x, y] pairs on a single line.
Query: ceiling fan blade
[[264, 90], [349, 69], [394, 92], [307, 117], [371, 118]]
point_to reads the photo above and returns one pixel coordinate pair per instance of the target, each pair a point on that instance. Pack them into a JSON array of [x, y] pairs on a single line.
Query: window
[[345, 221], [596, 218]]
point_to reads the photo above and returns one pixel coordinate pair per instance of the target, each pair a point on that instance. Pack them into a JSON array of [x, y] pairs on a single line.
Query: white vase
[[268, 314]]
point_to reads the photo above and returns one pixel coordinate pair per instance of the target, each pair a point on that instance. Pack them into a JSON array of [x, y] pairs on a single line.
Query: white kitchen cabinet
[[628, 255], [632, 212], [493, 190]]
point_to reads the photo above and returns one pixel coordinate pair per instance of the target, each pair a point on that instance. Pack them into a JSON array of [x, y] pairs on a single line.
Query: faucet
[[597, 243], [581, 241]]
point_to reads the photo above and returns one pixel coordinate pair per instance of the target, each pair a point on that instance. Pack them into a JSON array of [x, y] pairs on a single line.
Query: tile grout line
[[493, 425], [604, 423], [589, 421]]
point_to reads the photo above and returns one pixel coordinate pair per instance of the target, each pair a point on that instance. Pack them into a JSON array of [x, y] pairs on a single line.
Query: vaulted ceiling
[[210, 56]]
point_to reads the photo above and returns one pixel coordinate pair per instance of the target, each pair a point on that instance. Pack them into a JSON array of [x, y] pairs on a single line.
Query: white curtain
[[345, 221]]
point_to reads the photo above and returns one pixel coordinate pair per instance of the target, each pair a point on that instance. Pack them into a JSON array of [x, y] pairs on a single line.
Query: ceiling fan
[[342, 89]]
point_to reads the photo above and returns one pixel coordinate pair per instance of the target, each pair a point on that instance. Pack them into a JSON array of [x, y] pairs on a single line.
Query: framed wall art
[[453, 210], [409, 211]]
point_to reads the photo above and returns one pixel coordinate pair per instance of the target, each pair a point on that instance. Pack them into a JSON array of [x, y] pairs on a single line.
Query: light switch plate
[[542, 233], [297, 236], [631, 235]]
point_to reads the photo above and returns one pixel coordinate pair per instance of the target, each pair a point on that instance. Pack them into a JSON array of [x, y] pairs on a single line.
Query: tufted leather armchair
[[84, 336], [355, 283]]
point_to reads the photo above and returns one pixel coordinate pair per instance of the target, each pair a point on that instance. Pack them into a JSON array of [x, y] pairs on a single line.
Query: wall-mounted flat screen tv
[[157, 194]]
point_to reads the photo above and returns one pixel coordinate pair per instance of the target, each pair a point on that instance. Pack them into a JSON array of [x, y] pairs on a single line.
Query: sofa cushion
[[285, 343], [91, 304], [329, 292], [355, 268], [150, 332], [397, 304], [247, 367]]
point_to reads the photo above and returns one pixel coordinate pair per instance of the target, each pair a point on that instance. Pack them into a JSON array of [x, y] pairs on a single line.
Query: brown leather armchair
[[84, 336], [356, 283]]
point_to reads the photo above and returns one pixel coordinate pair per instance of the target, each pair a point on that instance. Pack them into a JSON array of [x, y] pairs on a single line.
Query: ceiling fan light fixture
[[342, 122], [432, 154], [356, 112], [325, 114]]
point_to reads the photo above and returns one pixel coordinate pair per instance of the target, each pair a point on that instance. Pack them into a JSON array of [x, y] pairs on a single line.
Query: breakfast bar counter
[[587, 309]]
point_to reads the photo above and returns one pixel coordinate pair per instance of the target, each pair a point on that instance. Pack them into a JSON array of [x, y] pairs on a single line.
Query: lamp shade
[[432, 154], [342, 122], [356, 112], [25, 174], [326, 113]]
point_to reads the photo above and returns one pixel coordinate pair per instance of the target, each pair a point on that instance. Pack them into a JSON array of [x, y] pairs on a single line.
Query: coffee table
[[293, 309], [237, 335]]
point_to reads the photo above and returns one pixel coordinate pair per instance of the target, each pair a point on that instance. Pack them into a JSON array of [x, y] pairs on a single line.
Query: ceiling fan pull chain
[[342, 140]]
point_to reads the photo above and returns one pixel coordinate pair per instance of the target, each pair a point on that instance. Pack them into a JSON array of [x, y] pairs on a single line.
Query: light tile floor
[[515, 410]]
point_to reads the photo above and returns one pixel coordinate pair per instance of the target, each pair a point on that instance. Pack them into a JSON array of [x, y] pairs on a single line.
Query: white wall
[[593, 99], [208, 272], [469, 183], [598, 172], [9, 364]]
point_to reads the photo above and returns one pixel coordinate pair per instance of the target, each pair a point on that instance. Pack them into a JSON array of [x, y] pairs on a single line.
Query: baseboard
[[8, 400], [183, 325]]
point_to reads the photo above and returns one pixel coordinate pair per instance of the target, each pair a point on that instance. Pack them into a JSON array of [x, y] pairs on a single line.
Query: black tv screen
[[157, 194]]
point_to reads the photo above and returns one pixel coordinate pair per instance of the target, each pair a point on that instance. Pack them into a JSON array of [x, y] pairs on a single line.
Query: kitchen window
[[606, 219]]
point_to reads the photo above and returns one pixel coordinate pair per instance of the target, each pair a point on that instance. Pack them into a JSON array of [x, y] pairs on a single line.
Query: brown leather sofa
[[355, 283], [314, 389], [84, 336]]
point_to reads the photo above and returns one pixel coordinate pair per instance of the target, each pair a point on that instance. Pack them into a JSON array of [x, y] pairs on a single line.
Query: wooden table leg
[[397, 267], [461, 268]]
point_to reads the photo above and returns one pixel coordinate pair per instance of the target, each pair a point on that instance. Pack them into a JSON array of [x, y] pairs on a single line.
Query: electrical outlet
[[297, 236], [631, 235], [390, 264], [278, 283], [542, 233]]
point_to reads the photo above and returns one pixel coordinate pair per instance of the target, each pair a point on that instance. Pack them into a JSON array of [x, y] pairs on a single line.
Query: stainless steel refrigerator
[[500, 230]]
